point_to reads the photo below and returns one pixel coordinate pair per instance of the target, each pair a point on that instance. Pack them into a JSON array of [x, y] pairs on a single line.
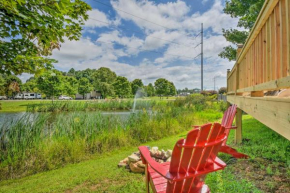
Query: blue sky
[[136, 48]]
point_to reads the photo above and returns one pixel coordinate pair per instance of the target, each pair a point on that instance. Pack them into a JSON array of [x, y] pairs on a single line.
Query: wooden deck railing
[[264, 62]]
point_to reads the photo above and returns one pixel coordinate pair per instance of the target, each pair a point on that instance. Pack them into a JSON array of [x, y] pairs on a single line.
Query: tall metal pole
[[201, 61]]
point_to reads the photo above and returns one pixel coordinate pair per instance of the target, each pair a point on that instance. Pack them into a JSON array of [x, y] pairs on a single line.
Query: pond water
[[6, 118]]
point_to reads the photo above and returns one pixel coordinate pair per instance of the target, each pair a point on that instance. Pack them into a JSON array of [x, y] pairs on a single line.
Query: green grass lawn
[[18, 105], [265, 171]]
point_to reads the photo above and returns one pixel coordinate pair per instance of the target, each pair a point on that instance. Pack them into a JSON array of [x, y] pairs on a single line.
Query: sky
[[148, 40]]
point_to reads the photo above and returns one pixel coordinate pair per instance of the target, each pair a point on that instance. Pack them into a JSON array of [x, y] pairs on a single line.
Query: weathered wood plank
[[272, 112]]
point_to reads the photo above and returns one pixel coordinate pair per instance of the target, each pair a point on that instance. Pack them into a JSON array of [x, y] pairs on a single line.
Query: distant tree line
[[54, 83]]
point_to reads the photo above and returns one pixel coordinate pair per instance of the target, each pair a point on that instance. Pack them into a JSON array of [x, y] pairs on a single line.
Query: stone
[[126, 160], [169, 159], [140, 164], [122, 164], [135, 169], [154, 149], [161, 161], [168, 153], [133, 158]]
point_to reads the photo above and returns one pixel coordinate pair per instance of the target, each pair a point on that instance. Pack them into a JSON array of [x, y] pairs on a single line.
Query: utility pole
[[201, 55], [214, 78]]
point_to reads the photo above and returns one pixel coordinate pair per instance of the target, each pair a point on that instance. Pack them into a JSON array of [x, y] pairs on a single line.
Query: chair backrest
[[192, 154], [228, 118]]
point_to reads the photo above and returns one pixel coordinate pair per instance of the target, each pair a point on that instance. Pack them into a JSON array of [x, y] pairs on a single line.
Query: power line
[[108, 5], [129, 29], [180, 56]]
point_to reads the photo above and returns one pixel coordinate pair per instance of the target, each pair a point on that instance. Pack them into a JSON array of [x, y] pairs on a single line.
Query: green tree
[[104, 74], [106, 89], [71, 72], [172, 89], [161, 87], [104, 77], [150, 90], [50, 83], [84, 86], [247, 11], [30, 30], [30, 85], [2, 85], [135, 85], [223, 90], [122, 87], [11, 85], [70, 86]]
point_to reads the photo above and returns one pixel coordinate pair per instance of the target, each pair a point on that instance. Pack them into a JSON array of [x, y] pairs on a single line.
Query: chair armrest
[[232, 127], [147, 159]]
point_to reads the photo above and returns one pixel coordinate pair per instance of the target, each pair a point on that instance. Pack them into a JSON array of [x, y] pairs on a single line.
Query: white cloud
[[94, 15], [107, 48]]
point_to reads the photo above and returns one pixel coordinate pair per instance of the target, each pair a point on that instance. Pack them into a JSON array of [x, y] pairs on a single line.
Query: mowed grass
[[18, 105], [102, 175]]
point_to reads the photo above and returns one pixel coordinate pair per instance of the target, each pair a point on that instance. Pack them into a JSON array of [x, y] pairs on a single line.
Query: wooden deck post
[[238, 134]]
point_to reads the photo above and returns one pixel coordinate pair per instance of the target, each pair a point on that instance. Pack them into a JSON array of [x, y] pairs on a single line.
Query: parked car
[[62, 97], [3, 98]]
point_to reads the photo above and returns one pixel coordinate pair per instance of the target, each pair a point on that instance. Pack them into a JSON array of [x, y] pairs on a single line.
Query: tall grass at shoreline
[[102, 105], [48, 141]]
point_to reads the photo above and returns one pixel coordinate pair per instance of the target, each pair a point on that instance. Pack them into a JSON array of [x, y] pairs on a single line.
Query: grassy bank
[[47, 141], [101, 174], [44, 105]]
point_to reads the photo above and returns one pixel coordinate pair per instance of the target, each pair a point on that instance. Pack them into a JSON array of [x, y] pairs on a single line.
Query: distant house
[[91, 95]]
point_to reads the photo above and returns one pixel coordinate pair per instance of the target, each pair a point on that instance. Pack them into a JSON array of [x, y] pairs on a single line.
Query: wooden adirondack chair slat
[[227, 122], [192, 158]]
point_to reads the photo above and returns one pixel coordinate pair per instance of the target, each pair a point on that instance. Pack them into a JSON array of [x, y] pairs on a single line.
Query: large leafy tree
[[135, 85], [106, 89], [30, 85], [30, 30], [104, 74], [247, 11], [172, 89], [70, 85], [103, 80], [84, 86], [51, 83], [11, 85], [162, 87], [150, 90], [122, 87], [2, 87]]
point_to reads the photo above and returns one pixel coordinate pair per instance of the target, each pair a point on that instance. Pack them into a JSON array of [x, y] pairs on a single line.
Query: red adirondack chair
[[227, 122], [192, 158]]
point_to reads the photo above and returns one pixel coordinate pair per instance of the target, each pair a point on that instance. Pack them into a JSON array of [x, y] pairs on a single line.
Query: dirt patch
[[266, 175]]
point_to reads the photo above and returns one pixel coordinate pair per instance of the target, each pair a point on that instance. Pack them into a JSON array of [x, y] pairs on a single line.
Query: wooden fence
[[264, 64]]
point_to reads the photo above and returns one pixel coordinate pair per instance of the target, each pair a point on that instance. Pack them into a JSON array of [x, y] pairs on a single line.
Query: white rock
[[133, 158]]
